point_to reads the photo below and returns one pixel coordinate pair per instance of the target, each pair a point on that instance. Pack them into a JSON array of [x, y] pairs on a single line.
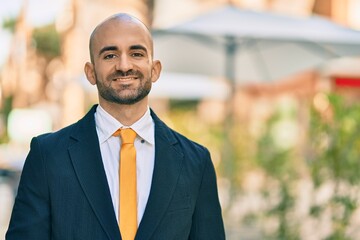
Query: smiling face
[[122, 67]]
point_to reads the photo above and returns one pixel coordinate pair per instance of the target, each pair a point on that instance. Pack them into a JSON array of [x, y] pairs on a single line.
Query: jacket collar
[[86, 158], [168, 162]]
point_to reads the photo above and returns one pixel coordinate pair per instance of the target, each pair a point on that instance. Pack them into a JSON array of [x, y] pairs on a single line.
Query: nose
[[124, 63]]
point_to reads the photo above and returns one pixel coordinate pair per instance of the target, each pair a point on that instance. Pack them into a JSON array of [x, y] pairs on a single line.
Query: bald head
[[115, 21]]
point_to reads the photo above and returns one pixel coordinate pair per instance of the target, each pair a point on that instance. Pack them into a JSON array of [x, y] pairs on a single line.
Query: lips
[[125, 79], [121, 76]]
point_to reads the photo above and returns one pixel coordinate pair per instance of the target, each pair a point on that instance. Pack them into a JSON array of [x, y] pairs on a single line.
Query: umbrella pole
[[228, 151]]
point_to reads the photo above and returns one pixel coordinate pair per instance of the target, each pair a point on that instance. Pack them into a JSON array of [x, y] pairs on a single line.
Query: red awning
[[347, 82]]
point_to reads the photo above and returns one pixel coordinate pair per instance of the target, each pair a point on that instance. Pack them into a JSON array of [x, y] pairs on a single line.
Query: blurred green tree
[[47, 41], [333, 157]]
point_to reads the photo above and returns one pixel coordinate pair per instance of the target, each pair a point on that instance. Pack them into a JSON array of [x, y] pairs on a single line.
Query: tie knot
[[127, 135]]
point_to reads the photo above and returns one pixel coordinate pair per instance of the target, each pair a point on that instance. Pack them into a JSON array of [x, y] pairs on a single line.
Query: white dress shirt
[[106, 125]]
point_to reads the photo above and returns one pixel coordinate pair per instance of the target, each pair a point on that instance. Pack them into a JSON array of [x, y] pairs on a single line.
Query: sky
[[40, 12]]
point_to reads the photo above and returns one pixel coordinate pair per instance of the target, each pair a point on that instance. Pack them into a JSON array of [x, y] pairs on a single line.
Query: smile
[[125, 79]]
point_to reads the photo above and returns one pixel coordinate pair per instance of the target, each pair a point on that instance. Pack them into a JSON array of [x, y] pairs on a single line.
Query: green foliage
[[181, 105], [329, 158], [47, 41], [316, 210], [279, 165], [334, 157], [183, 117], [335, 146], [4, 113], [9, 23]]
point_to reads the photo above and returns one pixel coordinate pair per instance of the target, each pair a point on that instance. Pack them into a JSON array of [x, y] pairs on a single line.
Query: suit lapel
[[168, 162], [86, 158]]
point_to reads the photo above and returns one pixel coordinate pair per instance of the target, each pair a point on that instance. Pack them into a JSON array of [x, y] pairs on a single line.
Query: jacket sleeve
[[207, 219], [30, 217]]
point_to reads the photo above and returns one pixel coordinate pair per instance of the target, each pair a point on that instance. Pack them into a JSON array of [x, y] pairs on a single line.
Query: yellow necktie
[[127, 178]]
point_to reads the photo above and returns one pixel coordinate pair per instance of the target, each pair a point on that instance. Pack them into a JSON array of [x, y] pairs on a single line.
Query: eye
[[109, 56], [137, 54]]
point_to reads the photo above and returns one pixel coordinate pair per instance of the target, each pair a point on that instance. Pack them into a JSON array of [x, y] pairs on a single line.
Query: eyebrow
[[107, 48], [114, 48], [138, 47]]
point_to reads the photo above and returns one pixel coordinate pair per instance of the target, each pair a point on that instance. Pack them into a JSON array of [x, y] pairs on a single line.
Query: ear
[[90, 73], [156, 70]]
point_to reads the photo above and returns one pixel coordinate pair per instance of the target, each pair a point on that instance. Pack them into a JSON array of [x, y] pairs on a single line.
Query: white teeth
[[125, 79]]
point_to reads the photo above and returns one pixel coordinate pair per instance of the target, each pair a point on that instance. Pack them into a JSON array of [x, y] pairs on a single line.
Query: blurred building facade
[[30, 79]]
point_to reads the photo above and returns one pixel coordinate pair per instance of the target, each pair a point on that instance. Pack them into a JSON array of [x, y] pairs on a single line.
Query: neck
[[126, 114]]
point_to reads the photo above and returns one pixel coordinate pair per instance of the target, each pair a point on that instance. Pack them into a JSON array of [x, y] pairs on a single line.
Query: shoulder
[[69, 133], [54, 140], [188, 146]]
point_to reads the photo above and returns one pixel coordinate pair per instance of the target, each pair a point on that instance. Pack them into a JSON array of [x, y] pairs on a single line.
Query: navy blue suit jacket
[[63, 192]]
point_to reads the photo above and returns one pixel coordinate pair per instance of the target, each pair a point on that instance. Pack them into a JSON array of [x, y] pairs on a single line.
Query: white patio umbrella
[[247, 46]]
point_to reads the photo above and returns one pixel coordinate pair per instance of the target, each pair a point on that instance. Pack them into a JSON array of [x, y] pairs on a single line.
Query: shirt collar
[[107, 125]]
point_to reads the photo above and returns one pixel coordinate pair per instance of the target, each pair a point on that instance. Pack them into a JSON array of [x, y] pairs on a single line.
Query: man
[[70, 186]]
